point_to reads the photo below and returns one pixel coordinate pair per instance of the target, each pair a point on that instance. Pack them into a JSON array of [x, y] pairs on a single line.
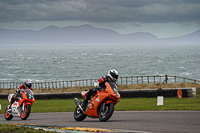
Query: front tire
[[79, 115], [107, 113], [25, 114], [8, 116]]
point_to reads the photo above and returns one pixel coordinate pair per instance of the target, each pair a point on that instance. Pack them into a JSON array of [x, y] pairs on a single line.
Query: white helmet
[[113, 74]]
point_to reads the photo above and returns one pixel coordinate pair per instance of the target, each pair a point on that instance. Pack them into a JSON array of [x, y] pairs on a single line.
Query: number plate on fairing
[[15, 109]]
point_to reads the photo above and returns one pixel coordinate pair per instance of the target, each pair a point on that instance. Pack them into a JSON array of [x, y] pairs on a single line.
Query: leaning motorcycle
[[101, 105], [21, 106]]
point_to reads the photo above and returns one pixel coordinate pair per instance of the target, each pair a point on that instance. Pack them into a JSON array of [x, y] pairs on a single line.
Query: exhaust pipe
[[76, 101], [78, 104]]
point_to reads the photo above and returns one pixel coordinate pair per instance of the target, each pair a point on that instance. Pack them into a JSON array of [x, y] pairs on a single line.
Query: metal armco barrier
[[186, 92]]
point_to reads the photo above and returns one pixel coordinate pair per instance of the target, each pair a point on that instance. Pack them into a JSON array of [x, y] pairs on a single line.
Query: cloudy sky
[[163, 18]]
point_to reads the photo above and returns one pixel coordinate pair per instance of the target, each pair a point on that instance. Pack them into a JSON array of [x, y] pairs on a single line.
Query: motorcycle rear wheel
[[25, 114], [7, 115], [79, 115], [107, 113]]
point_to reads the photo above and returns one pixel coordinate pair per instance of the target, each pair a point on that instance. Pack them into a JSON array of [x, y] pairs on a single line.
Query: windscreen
[[113, 86], [27, 91]]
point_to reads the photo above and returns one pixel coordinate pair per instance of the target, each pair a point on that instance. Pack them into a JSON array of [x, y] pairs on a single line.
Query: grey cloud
[[101, 11]]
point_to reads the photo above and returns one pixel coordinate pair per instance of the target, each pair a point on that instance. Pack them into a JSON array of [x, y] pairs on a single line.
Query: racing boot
[[84, 104], [17, 93], [88, 95], [85, 101]]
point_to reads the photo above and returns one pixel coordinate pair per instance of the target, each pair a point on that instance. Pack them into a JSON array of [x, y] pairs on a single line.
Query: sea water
[[66, 63]]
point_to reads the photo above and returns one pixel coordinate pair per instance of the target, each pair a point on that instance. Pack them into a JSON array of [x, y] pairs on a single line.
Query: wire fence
[[89, 82]]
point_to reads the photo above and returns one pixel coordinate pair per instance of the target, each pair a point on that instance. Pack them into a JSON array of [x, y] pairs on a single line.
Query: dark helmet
[[113, 74], [28, 84]]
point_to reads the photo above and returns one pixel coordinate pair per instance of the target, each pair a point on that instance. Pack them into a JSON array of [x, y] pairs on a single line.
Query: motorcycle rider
[[112, 76], [26, 85]]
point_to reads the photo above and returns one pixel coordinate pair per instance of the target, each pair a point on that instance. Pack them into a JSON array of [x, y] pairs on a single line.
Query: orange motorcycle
[[101, 105], [21, 106]]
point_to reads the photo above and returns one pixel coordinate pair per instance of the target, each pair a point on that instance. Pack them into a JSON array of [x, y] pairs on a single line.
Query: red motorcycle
[[101, 105], [21, 106]]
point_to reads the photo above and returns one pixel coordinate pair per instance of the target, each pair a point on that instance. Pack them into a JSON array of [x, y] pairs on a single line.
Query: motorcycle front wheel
[[78, 114], [105, 114], [25, 114], [7, 114]]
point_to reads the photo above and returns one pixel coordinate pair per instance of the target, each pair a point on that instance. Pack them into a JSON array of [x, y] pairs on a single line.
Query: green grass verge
[[140, 104], [5, 128], [125, 104]]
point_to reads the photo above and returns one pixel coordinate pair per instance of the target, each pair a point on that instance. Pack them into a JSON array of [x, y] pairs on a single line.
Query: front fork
[[23, 105], [103, 106], [8, 108]]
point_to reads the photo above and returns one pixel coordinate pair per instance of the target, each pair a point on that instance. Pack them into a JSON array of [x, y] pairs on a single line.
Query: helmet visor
[[115, 76], [28, 85]]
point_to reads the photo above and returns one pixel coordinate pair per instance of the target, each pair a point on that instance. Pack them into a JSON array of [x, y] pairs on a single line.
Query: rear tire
[[7, 115], [107, 113], [79, 115], [25, 114]]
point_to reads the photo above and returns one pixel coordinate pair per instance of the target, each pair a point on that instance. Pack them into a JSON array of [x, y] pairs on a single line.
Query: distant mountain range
[[86, 34]]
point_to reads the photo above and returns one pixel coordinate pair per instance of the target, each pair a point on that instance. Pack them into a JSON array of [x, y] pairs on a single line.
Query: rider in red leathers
[[112, 76], [26, 85]]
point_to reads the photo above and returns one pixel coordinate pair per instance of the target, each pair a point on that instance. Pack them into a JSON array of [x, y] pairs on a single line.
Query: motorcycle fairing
[[27, 101], [96, 100], [110, 94], [10, 97], [16, 109], [111, 89]]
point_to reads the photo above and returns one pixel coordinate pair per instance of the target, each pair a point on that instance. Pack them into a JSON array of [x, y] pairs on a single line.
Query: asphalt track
[[135, 121]]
